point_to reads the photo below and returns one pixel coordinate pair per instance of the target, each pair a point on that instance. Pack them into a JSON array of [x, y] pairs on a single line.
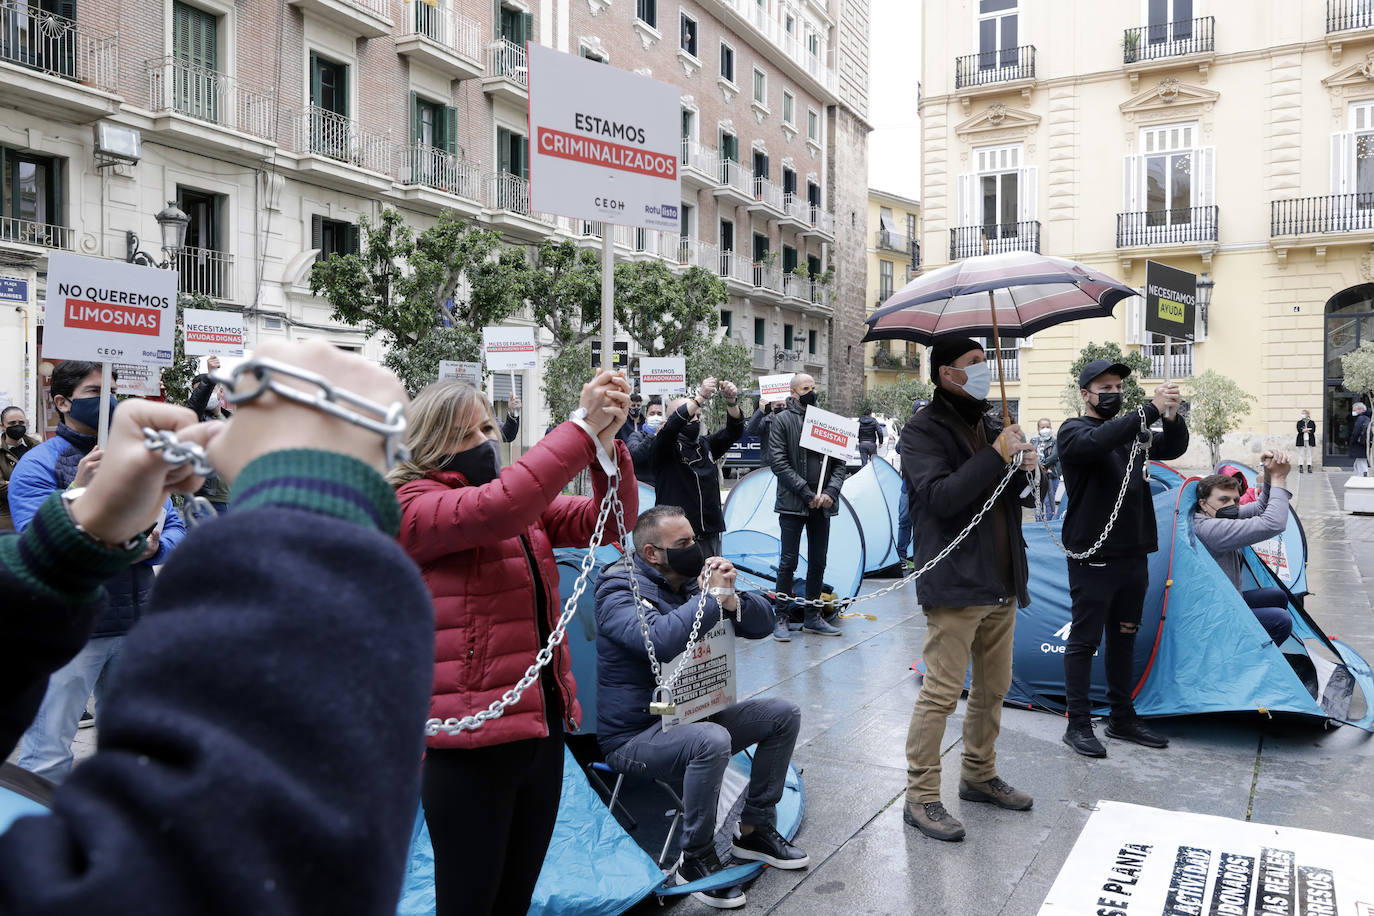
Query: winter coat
[[631, 426], [483, 552], [51, 467], [1307, 433], [870, 430], [510, 428], [788, 460], [1359, 436], [947, 482], [685, 472], [259, 748], [624, 680], [1260, 520], [760, 426], [641, 443], [8, 460]]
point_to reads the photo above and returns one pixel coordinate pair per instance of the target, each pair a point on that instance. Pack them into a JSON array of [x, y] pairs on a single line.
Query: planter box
[[1359, 494]]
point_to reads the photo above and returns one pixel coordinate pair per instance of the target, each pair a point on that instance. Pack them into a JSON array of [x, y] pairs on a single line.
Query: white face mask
[[1045, 433], [653, 421], [212, 405], [979, 381]]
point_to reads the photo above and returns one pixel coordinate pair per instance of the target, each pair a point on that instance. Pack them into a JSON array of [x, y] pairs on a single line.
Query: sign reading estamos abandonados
[[108, 311]]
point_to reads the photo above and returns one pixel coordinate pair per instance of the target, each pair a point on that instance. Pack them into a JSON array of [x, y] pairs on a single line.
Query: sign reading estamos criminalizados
[[108, 311]]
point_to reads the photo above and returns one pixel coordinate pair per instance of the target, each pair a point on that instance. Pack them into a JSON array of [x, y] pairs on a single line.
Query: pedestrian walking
[[14, 442], [1358, 447], [1306, 441]]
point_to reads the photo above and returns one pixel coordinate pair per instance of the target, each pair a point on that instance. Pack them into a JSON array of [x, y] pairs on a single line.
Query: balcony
[[1165, 41], [508, 73], [892, 241], [763, 358], [364, 18], [885, 359], [768, 199], [789, 50], [1336, 219], [736, 271], [332, 148], [997, 69], [700, 165], [1011, 363], [1181, 226], [1178, 364], [695, 253], [50, 66], [508, 207], [186, 97], [796, 212], [971, 241], [822, 297], [1348, 15], [23, 232], [437, 181], [205, 272], [736, 184], [822, 224], [768, 280], [796, 286], [442, 40]]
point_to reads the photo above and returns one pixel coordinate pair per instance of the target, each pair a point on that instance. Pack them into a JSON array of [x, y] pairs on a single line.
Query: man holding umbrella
[[1107, 583], [954, 454]]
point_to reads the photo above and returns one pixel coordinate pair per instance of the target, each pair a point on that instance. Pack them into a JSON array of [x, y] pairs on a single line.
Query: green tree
[[1070, 399], [562, 283], [564, 376], [896, 400], [1358, 368], [1132, 394], [176, 378], [1216, 406], [727, 361], [665, 312]]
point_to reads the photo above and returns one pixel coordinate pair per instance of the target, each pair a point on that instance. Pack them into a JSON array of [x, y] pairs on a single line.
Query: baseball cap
[[1098, 366]]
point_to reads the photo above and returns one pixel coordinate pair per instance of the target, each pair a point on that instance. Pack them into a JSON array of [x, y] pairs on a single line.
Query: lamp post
[[1205, 284], [172, 223]]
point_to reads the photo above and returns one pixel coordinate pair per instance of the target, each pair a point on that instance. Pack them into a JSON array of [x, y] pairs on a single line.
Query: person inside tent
[[1225, 527]]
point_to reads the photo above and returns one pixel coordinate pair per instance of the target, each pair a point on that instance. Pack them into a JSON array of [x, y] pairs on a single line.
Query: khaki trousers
[[955, 635]]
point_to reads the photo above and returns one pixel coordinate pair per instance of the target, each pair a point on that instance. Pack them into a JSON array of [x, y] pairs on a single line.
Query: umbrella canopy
[[1031, 291]]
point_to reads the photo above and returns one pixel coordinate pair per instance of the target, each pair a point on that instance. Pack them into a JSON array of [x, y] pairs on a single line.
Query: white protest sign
[[662, 375], [208, 333], [829, 433], [135, 379], [108, 311], [605, 142], [1273, 554], [707, 683], [775, 388], [1133, 859], [462, 371], [509, 349]]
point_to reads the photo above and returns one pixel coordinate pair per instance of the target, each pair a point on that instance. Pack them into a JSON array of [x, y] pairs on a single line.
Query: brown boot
[[996, 792], [933, 820]]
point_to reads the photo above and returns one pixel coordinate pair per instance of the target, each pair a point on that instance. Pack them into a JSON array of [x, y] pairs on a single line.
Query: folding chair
[[595, 772]]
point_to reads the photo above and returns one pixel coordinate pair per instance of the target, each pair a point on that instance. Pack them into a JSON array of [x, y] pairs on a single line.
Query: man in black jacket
[[805, 501], [1108, 587], [954, 454], [684, 461], [760, 426], [871, 436]]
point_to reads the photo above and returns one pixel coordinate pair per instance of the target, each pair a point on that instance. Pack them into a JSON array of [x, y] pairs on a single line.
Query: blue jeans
[[46, 748], [1270, 607], [701, 751]]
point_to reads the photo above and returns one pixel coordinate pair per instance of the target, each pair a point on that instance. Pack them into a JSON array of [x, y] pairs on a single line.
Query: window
[[884, 280], [811, 342], [999, 195], [729, 146], [512, 153], [760, 248], [761, 169], [1170, 176], [789, 180], [1352, 157], [727, 235], [329, 85], [727, 62], [1169, 20], [516, 26], [997, 34], [31, 199], [646, 11], [689, 124], [201, 266], [813, 125], [727, 321], [687, 221], [760, 87], [585, 50], [789, 105], [195, 48], [760, 331], [333, 236], [689, 34], [813, 194], [910, 227], [787, 337], [789, 259]]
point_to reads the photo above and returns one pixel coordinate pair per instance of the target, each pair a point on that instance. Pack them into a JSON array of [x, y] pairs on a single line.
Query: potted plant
[[1129, 43]]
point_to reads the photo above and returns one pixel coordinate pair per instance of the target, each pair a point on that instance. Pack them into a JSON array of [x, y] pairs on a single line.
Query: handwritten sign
[[774, 388], [829, 433], [509, 349], [662, 375]]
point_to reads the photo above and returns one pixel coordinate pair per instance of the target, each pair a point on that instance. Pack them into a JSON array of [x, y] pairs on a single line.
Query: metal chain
[[177, 453], [1141, 441]]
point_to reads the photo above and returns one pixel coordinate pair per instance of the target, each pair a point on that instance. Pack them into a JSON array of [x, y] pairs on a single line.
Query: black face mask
[[685, 561], [692, 431], [634, 411], [778, 407], [1108, 404], [1231, 512], [16, 433], [808, 399], [479, 465]]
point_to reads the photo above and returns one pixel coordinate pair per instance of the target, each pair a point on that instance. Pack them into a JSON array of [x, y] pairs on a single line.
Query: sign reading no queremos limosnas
[[509, 349], [1132, 859], [662, 375], [829, 433], [208, 333], [775, 388], [108, 311], [1170, 301], [606, 142], [707, 683]]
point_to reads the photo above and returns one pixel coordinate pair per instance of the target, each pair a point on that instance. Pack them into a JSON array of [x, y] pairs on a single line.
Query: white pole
[[1168, 370], [607, 293], [103, 430]]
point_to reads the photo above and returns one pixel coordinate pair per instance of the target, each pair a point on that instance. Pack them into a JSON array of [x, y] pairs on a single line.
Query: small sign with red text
[[108, 311], [775, 388], [707, 683], [509, 349], [208, 333], [830, 434], [463, 371], [662, 375]]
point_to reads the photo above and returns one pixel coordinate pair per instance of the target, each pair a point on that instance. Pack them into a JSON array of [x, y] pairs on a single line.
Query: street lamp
[[172, 223], [1205, 283]]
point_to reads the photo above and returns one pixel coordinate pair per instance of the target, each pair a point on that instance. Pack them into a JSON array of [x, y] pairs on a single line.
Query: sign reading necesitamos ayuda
[[606, 142], [109, 311]]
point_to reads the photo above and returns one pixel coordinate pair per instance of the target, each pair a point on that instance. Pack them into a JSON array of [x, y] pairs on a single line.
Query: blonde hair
[[445, 412]]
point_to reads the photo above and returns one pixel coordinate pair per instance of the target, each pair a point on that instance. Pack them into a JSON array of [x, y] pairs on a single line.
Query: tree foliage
[[1132, 394], [1216, 406], [896, 400], [1070, 399], [727, 361], [564, 377], [1358, 368], [176, 378], [665, 312], [562, 283]]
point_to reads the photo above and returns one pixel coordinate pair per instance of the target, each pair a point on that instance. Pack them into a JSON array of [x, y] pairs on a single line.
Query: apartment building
[[277, 126], [1231, 139], [894, 257]]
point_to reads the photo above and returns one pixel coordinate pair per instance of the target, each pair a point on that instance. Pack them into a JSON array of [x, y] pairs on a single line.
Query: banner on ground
[[707, 683], [662, 375], [1132, 859], [1170, 301], [463, 371], [509, 349], [606, 142], [775, 388], [829, 433], [208, 333], [108, 311], [137, 379]]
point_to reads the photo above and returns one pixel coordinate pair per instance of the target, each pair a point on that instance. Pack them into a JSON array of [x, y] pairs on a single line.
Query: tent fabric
[[875, 493], [1286, 554]]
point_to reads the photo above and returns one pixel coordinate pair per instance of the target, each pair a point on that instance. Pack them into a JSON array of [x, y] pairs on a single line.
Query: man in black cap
[[953, 456], [1108, 587]]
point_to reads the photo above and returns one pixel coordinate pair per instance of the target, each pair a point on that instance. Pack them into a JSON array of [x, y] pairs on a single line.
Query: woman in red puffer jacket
[[483, 538]]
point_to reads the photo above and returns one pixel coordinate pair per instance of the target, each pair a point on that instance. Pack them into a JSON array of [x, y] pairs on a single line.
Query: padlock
[[662, 703]]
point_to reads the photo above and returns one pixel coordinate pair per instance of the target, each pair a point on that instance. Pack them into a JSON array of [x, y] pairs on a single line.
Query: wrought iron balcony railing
[[1178, 364], [1312, 215], [47, 43], [207, 95], [431, 167], [457, 33], [1000, 66], [28, 232], [326, 133], [1344, 15], [507, 60], [1178, 226], [206, 272], [971, 241], [1169, 39], [892, 241]]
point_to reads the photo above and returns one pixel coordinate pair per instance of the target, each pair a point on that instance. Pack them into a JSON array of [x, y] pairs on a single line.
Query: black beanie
[[946, 350]]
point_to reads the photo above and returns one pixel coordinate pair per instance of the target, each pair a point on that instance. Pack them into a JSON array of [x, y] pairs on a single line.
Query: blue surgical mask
[[979, 381], [653, 421]]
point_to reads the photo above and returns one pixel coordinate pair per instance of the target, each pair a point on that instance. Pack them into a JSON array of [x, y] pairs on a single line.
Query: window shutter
[[1205, 159], [317, 233], [968, 200], [1342, 158], [181, 31], [345, 103], [354, 244], [525, 158], [503, 163], [1130, 183], [1135, 321], [414, 118], [450, 130], [1028, 183], [315, 92], [526, 28]]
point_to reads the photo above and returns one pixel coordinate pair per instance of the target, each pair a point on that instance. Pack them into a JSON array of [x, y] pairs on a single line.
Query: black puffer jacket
[[685, 469], [947, 482], [789, 462], [870, 430]]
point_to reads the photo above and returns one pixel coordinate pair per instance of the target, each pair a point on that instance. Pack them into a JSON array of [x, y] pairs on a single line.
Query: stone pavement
[[856, 695]]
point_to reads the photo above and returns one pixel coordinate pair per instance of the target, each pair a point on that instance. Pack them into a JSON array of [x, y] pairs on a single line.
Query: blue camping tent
[[1286, 554], [1200, 648], [875, 493]]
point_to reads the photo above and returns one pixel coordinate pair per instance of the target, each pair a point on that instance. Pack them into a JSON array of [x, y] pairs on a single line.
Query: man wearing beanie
[[1108, 588], [953, 456]]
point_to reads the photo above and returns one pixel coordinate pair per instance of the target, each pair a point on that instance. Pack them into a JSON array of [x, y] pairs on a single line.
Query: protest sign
[[137, 379], [207, 333], [461, 370], [620, 354], [662, 375], [509, 349], [829, 433], [775, 388], [707, 683], [1170, 301], [108, 311]]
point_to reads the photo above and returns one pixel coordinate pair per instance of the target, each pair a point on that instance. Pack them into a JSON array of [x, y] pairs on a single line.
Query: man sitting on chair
[[668, 566]]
